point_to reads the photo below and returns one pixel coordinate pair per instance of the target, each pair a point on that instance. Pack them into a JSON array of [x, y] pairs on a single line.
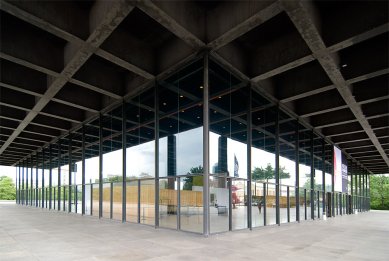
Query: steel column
[[249, 141], [323, 160], [206, 217], [83, 206], [43, 178], [264, 204], [277, 165], [59, 176], [101, 166], [70, 174], [312, 194], [297, 166], [50, 176], [124, 162], [156, 152]]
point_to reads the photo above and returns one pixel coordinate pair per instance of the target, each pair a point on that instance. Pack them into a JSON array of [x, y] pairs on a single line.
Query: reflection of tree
[[307, 185], [268, 173], [7, 188], [379, 187], [193, 181]]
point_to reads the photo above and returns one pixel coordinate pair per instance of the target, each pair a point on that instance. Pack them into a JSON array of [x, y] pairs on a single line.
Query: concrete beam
[[170, 23], [103, 21], [297, 11], [257, 13]]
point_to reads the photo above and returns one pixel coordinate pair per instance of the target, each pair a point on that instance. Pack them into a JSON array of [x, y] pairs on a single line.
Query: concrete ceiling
[[325, 62]]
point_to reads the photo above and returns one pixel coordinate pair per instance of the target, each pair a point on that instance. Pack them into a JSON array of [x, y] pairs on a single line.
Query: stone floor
[[28, 233]]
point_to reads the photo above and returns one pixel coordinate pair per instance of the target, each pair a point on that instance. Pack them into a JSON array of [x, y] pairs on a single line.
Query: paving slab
[[29, 233]]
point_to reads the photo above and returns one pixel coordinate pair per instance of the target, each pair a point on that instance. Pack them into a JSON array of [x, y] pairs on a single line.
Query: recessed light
[[220, 97], [344, 65], [171, 126], [164, 104], [201, 87], [181, 96], [198, 117]]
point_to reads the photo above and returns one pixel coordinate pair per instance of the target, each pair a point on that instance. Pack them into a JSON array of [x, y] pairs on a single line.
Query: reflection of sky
[[140, 159]]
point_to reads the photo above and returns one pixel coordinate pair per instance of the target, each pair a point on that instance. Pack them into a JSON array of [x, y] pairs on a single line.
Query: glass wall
[[112, 164], [163, 180], [228, 99], [287, 140], [305, 172], [181, 149], [140, 158], [92, 168]]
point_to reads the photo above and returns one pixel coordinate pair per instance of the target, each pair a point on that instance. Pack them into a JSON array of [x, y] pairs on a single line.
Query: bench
[[221, 210]]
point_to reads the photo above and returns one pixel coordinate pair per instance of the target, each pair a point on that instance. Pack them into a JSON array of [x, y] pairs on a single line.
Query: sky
[[189, 145]]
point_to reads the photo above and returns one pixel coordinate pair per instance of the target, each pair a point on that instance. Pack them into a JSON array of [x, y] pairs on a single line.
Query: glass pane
[[132, 201], [257, 204], [168, 203], [219, 204], [239, 204], [147, 202], [117, 201], [191, 202]]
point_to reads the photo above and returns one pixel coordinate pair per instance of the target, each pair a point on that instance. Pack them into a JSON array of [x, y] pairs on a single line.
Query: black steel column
[[249, 141], [101, 166], [297, 166], [70, 174], [332, 182], [277, 165], [360, 191], [36, 181], [43, 178], [312, 194], [156, 153], [50, 176], [22, 192], [20, 169], [27, 188], [59, 176], [83, 172], [323, 155], [264, 203], [206, 222], [352, 189], [124, 162]]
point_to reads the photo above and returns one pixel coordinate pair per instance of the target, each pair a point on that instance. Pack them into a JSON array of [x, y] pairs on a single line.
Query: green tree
[[379, 192], [268, 173], [193, 181], [7, 188]]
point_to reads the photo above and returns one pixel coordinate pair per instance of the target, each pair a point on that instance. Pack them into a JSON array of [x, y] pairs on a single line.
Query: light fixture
[[201, 87], [181, 96], [164, 104], [220, 97], [344, 65]]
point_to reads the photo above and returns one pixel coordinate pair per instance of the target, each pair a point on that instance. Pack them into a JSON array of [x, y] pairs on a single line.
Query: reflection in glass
[[219, 204], [168, 203], [147, 201], [132, 201], [191, 203]]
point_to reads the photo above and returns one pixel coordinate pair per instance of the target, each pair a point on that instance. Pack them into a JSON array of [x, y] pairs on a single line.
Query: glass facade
[[201, 151]]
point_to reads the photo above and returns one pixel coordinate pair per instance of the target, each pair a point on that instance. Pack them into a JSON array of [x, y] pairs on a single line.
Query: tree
[[379, 192], [7, 188], [268, 173], [193, 181]]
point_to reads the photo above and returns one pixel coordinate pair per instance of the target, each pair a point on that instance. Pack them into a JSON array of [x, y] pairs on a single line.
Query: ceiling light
[[201, 87], [181, 96], [344, 65], [164, 104]]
